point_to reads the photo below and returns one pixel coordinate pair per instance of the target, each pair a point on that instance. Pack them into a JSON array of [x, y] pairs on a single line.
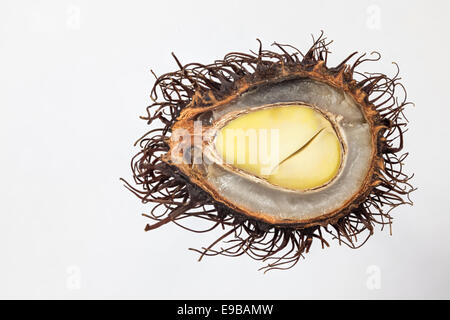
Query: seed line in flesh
[[297, 151]]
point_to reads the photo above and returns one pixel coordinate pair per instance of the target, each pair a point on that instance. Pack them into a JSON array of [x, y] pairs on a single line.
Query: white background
[[75, 76]]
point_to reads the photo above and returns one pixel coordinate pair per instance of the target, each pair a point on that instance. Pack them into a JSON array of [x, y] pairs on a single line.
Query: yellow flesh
[[294, 147]]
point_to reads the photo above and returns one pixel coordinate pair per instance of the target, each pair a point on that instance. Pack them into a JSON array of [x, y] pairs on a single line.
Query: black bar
[[220, 309]]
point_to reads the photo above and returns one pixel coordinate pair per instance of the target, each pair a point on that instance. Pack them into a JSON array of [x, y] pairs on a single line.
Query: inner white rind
[[262, 198]]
